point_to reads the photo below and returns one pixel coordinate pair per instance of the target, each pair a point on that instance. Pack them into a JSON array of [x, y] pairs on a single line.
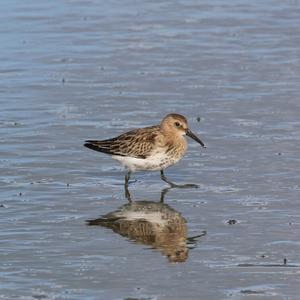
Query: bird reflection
[[151, 223]]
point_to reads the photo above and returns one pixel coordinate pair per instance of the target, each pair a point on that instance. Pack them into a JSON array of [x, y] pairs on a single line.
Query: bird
[[153, 148]]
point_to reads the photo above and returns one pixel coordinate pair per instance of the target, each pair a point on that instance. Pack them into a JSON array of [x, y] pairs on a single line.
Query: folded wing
[[137, 143]]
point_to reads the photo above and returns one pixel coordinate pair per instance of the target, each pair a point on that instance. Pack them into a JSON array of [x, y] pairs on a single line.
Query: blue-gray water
[[76, 70]]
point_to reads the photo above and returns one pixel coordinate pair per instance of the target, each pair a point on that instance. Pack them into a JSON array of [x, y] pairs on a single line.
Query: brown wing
[[136, 143]]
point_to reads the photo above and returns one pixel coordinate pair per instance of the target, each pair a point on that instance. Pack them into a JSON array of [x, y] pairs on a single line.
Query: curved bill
[[194, 137]]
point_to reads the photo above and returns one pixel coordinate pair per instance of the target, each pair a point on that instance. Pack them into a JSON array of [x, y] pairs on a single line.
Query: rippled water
[[74, 70]]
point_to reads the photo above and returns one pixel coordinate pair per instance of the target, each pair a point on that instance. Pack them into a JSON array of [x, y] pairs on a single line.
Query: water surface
[[76, 70]]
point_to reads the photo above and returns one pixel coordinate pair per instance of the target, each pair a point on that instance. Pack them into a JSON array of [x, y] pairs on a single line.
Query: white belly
[[154, 162]]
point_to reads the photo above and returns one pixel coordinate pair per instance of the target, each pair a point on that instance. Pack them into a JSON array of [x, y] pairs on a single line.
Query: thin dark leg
[[163, 194], [173, 185], [165, 179], [127, 177], [127, 194]]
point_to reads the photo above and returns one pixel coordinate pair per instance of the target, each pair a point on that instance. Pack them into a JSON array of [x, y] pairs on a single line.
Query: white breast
[[155, 162]]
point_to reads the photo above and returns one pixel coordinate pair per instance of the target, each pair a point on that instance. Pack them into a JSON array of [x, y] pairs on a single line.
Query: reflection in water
[[151, 223]]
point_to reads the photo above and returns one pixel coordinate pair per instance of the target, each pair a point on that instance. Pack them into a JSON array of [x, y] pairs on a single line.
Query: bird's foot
[[174, 185], [132, 181], [183, 186]]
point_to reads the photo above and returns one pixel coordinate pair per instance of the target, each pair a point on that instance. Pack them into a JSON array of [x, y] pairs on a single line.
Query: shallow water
[[74, 70]]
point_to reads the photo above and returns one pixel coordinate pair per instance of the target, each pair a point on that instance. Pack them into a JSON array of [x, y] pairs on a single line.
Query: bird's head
[[175, 124]]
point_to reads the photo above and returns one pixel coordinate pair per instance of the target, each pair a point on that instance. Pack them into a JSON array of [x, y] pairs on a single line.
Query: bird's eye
[[177, 124]]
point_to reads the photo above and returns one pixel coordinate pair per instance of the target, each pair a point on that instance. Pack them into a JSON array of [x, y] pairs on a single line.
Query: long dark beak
[[194, 137]]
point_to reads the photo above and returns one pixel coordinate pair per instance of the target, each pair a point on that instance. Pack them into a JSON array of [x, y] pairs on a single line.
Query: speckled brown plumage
[[137, 143], [150, 148]]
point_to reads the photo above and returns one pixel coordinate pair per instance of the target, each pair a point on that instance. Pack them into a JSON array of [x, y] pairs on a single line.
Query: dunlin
[[151, 148]]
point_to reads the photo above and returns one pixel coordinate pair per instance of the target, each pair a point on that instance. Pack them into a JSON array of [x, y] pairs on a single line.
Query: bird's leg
[[163, 194], [127, 194], [173, 185], [165, 179], [127, 177]]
